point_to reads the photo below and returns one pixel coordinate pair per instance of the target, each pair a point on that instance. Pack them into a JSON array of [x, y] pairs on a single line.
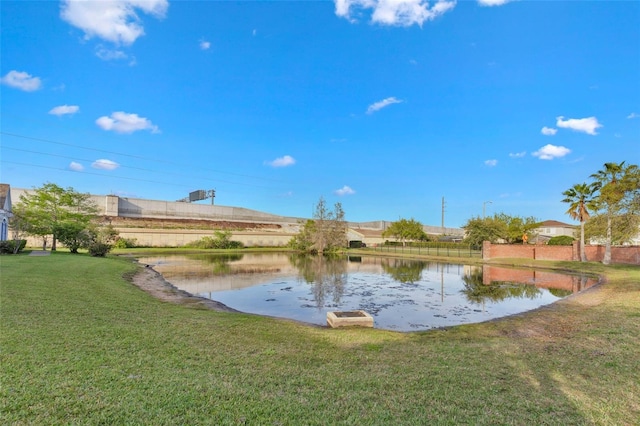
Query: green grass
[[81, 345]]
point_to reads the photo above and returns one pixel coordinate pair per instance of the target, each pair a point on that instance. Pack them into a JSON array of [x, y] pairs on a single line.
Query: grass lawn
[[82, 345]]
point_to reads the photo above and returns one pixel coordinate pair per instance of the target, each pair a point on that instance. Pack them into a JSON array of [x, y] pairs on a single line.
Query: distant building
[[5, 210], [552, 228]]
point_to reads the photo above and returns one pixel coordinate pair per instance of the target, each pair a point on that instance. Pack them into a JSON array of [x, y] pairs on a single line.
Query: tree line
[[607, 208]]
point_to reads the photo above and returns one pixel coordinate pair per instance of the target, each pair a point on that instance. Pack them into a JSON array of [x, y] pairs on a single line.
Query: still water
[[400, 294]]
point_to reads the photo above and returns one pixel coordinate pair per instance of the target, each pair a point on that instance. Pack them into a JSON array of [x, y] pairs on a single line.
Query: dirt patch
[[155, 223], [152, 282]]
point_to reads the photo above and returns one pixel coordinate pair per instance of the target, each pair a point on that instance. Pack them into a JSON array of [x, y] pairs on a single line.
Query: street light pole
[[484, 207]]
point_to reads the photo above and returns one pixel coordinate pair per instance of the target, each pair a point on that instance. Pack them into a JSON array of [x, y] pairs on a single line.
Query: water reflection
[[401, 294], [405, 271], [476, 291], [326, 274]]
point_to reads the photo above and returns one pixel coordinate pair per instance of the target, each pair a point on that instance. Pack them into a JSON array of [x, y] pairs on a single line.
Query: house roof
[[5, 195], [555, 224]]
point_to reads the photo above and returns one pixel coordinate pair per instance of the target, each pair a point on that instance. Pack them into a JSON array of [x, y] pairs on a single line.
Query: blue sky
[[384, 106]]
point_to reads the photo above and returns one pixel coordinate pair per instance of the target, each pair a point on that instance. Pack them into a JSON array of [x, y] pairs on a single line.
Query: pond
[[400, 294]]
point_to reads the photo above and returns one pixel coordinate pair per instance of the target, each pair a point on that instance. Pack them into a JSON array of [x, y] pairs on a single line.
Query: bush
[[9, 247], [221, 240], [99, 249], [122, 243], [561, 240]]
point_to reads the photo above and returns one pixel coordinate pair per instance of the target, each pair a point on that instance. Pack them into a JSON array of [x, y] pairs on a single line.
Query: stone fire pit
[[349, 318]]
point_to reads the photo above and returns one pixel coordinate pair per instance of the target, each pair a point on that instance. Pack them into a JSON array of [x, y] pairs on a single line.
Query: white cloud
[[122, 122], [548, 131], [76, 167], [64, 110], [633, 115], [114, 21], [517, 154], [381, 104], [549, 152], [493, 2], [103, 164], [21, 80], [345, 190], [395, 12], [285, 161], [586, 125], [107, 54], [205, 45], [491, 163]]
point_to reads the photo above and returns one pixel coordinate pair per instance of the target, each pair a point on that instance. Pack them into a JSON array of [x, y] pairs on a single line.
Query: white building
[[5, 210], [553, 228]]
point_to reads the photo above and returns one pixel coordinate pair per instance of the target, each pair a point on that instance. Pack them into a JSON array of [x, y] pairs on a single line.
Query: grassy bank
[[82, 345]]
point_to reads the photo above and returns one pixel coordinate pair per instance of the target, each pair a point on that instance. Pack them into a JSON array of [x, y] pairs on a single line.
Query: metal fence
[[431, 249]]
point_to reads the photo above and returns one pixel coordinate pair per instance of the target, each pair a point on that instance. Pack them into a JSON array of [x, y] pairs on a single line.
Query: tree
[[499, 227], [624, 228], [50, 209], [479, 229], [517, 227], [326, 232], [405, 230], [581, 199], [618, 187], [73, 235]]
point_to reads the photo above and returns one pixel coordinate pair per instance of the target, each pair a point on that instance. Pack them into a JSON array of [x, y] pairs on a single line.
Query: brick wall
[[595, 253]]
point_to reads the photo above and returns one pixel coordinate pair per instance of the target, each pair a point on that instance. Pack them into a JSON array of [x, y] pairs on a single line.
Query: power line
[[139, 157], [93, 173], [129, 167]]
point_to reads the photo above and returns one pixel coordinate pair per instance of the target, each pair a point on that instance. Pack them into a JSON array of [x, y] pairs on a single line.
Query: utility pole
[[484, 206], [442, 215]]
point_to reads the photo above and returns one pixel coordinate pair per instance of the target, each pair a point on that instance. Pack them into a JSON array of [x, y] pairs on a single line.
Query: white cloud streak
[[345, 190], [633, 115], [205, 45], [394, 12], [377, 106], [110, 54], [548, 131], [491, 163], [76, 167], [111, 20], [122, 122], [22, 80], [549, 152], [517, 154], [284, 161], [64, 110], [587, 125], [493, 2], [104, 164]]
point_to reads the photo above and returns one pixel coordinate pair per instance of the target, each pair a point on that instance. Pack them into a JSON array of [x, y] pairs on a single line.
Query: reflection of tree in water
[[558, 292], [220, 262], [405, 271], [479, 293], [327, 274]]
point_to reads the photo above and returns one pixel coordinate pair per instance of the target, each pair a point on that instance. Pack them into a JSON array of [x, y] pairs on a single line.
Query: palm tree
[[581, 199], [611, 193]]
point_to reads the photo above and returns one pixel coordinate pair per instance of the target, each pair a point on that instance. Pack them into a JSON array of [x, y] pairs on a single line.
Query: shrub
[[99, 249], [11, 247], [220, 240], [561, 240], [122, 243]]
